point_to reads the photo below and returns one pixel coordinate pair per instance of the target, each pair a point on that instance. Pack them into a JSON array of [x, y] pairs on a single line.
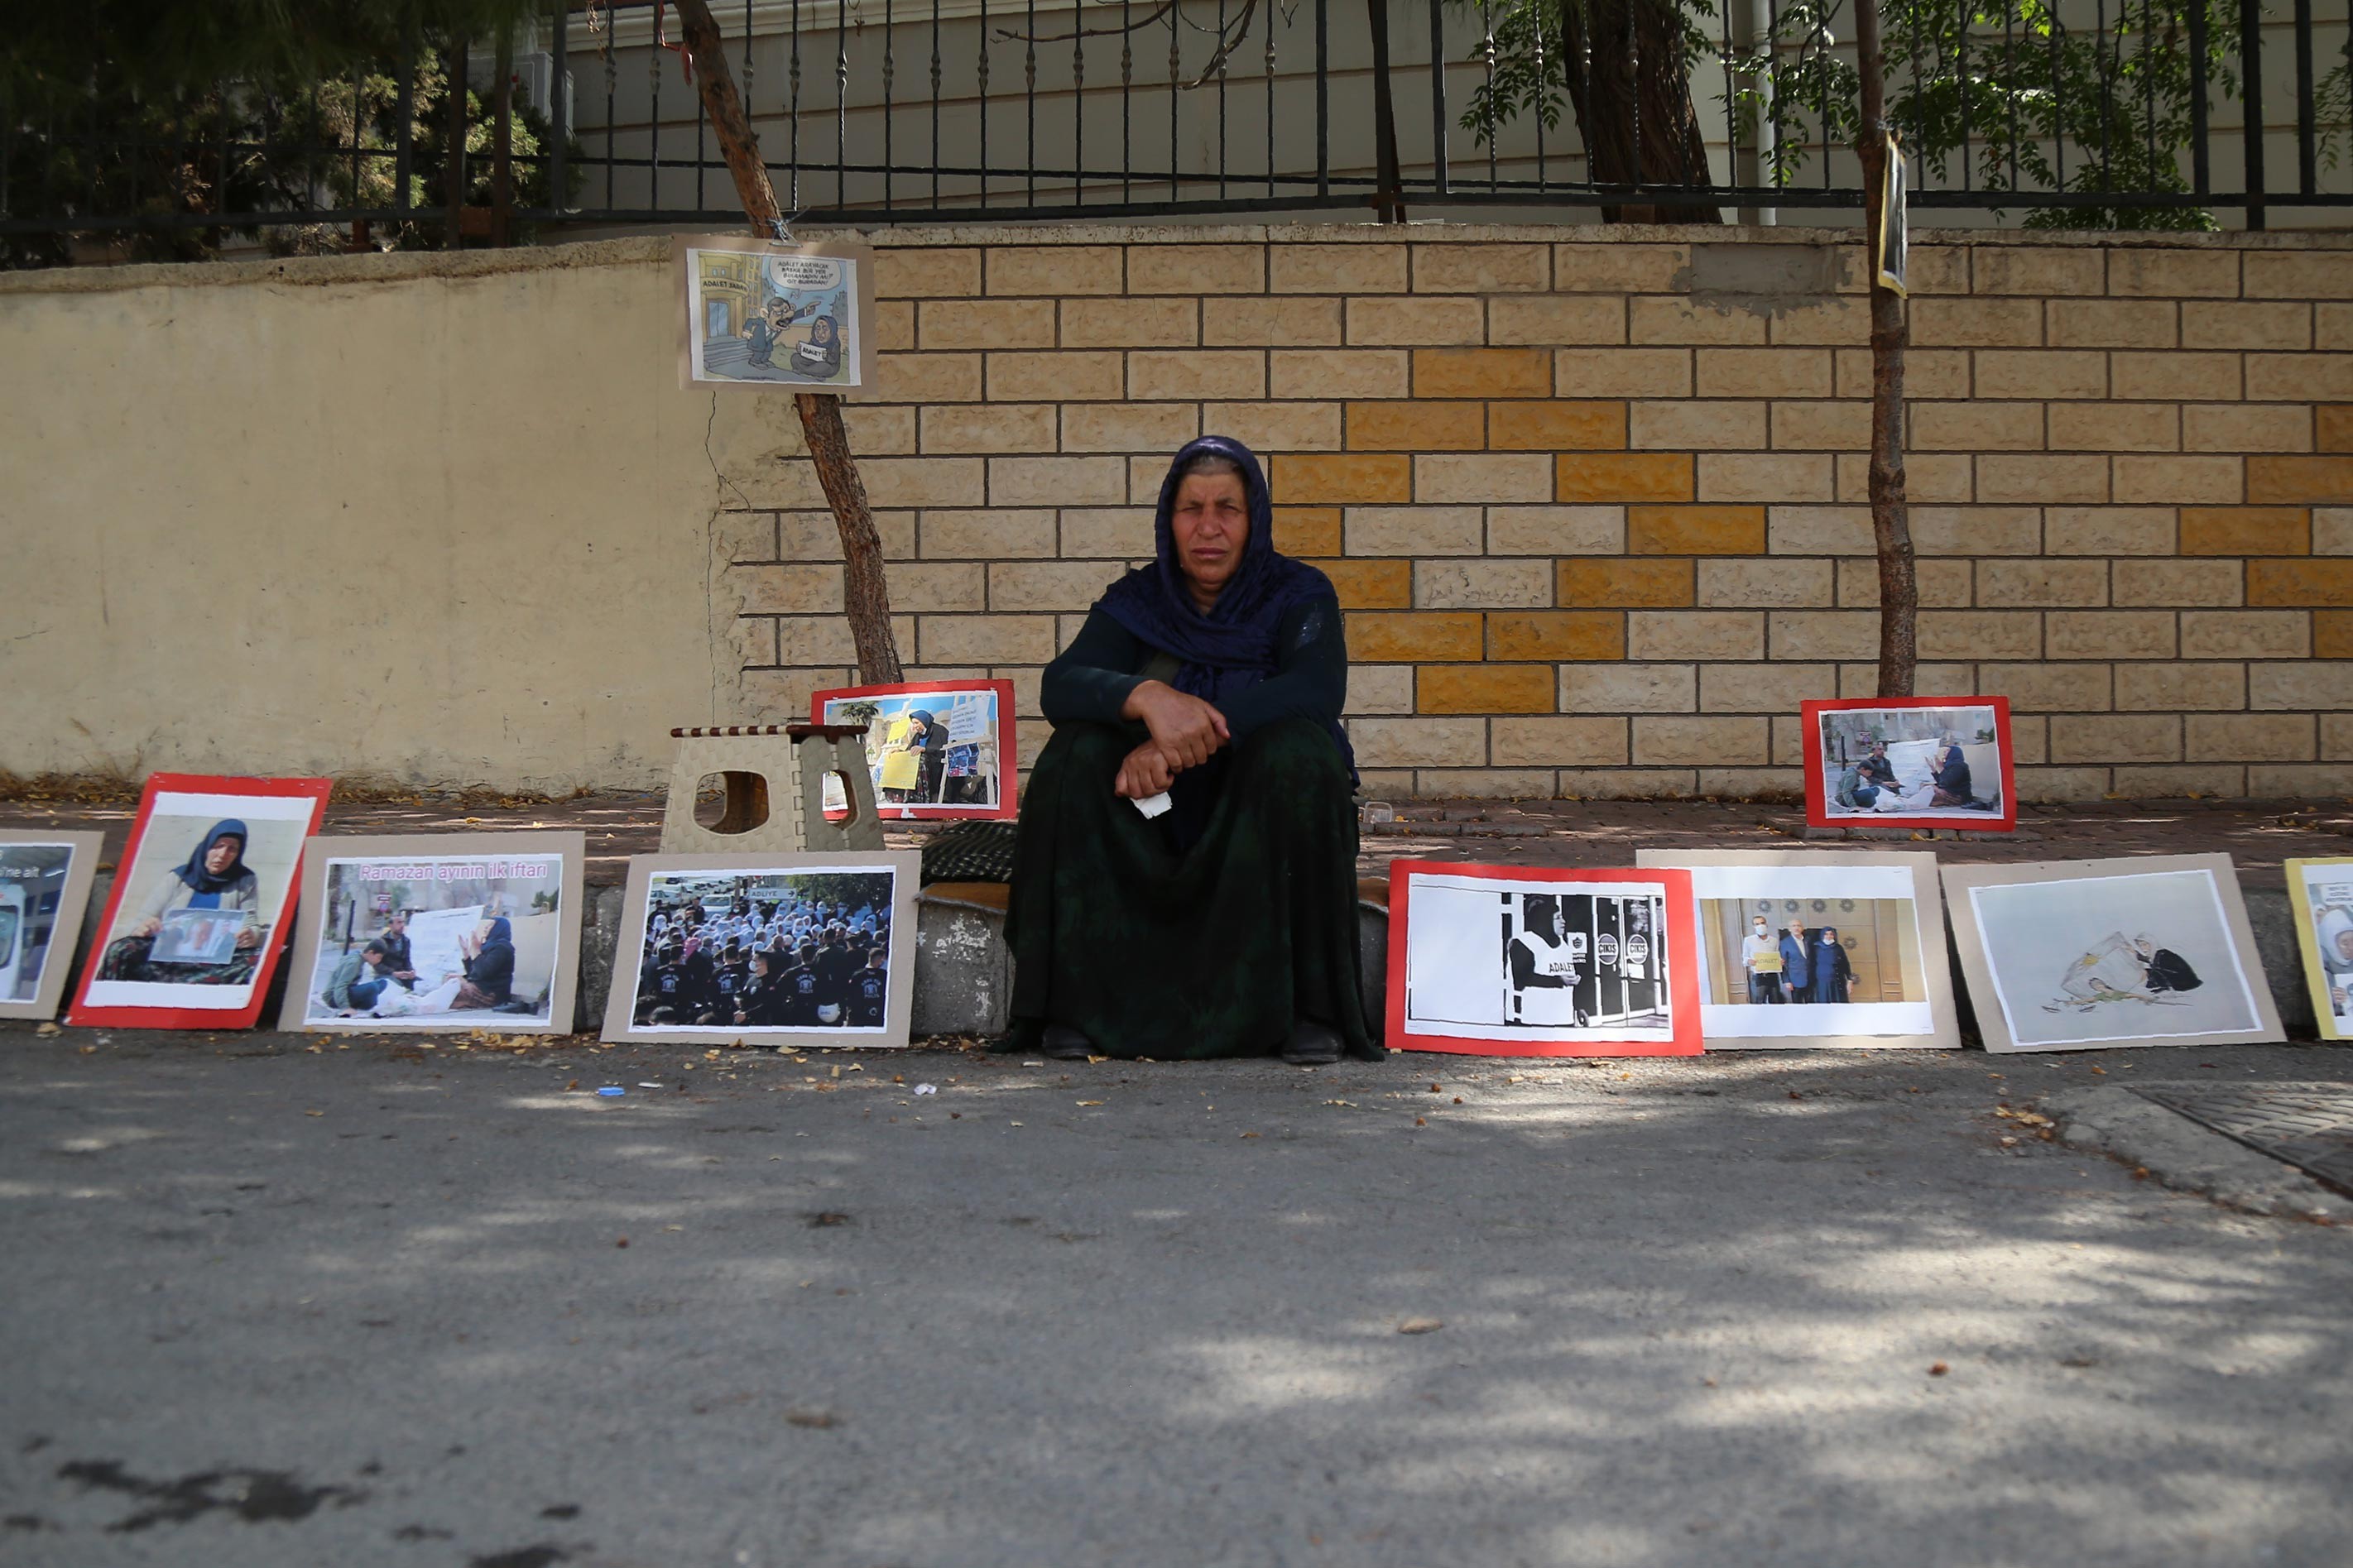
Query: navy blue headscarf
[[201, 880], [1232, 647]]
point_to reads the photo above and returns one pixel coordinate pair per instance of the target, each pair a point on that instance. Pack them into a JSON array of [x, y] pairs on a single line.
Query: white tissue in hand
[[1154, 805]]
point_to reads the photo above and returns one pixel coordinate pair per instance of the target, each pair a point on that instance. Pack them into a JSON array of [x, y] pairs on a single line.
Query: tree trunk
[[866, 593], [1891, 523], [1633, 105]]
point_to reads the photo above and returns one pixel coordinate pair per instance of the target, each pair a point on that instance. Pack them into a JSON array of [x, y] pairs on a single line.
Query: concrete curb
[[2181, 1154]]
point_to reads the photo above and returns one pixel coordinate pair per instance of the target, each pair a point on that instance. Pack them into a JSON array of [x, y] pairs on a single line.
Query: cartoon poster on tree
[[774, 314]]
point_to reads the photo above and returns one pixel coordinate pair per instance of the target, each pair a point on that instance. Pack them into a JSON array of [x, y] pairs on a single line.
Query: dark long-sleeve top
[[1089, 680]]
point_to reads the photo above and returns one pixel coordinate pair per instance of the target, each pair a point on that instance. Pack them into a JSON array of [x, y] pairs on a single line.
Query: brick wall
[[1594, 500]]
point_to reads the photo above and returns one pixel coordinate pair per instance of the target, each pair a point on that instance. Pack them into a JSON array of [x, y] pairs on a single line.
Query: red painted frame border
[[281, 933], [1816, 784], [1009, 805], [1683, 984]]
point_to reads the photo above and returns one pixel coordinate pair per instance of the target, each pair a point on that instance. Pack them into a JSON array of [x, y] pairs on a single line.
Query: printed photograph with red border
[[1910, 762], [1535, 961], [940, 751], [197, 921]]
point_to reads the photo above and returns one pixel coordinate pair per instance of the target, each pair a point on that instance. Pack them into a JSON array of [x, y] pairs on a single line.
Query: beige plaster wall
[[440, 520]]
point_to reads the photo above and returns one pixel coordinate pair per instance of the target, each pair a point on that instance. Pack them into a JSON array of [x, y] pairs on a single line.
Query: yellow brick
[[1779, 477], [2115, 428], [2332, 633], [1196, 373], [2242, 427], [2037, 269], [920, 272], [1977, 427], [1337, 372], [1482, 372], [2333, 427], [985, 323], [1415, 636], [989, 428], [1675, 319], [1482, 477], [2160, 273], [2245, 634], [1558, 636], [1623, 477], [2299, 378], [2246, 531], [1616, 582], [1197, 269], [1764, 372], [2201, 480], [2043, 480], [1354, 478], [894, 325], [2080, 323], [2298, 275], [1603, 266], [1417, 426], [1128, 427], [1370, 585], [1055, 270], [1371, 268], [928, 378], [1080, 375], [1695, 531], [1556, 320], [1721, 741], [1275, 426], [1391, 322], [1559, 741], [2041, 372], [1483, 689], [1478, 268], [2319, 581], [1306, 530], [2278, 326], [2324, 481], [2175, 377], [1972, 323], [1131, 323], [1277, 324], [1822, 427], [1556, 426], [1622, 373], [1683, 424]]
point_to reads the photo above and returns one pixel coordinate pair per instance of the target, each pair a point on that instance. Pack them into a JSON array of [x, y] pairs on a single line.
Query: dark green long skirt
[[1215, 952]]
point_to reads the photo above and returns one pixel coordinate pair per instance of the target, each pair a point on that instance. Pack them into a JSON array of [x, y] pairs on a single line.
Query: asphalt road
[[265, 1305]]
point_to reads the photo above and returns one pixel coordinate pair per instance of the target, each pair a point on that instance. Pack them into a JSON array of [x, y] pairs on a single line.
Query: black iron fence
[[2056, 112]]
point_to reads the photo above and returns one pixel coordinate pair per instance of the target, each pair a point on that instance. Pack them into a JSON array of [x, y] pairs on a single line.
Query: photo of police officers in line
[[786, 952]]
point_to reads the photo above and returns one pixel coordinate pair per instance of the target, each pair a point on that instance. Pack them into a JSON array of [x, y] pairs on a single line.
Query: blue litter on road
[[613, 1092]]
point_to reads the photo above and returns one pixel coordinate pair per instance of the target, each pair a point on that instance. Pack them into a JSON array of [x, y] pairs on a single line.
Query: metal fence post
[[2250, 98]]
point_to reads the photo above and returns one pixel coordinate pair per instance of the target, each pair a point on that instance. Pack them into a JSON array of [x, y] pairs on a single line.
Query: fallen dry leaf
[[818, 1420], [44, 1030], [1420, 1326], [1939, 1369], [1090, 1102]]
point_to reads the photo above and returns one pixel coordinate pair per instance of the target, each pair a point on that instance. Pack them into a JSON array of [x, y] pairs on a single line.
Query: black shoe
[[1312, 1045], [1063, 1044]]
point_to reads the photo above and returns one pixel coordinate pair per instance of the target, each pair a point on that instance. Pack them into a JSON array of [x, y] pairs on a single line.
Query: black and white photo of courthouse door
[[773, 778]]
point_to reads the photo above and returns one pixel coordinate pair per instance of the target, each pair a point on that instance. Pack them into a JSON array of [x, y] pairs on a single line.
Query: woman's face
[[822, 332], [1211, 525], [224, 854]]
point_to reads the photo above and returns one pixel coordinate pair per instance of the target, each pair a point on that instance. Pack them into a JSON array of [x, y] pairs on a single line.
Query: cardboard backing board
[[177, 814], [44, 883], [2320, 900], [790, 884], [977, 718], [1836, 735], [1887, 910], [351, 885], [775, 315], [2085, 954], [1516, 961]]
